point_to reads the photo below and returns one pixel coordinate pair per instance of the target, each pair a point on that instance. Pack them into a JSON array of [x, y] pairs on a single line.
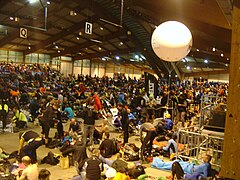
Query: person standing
[[3, 113], [47, 120], [89, 116], [123, 115]]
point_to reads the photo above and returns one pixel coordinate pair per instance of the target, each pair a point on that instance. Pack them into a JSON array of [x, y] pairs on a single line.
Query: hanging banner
[[151, 84]]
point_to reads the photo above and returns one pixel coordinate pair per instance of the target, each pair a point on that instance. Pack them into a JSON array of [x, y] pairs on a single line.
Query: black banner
[[151, 84]]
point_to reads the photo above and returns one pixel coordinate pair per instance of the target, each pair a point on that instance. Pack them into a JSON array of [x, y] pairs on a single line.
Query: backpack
[[130, 152], [50, 159], [116, 146]]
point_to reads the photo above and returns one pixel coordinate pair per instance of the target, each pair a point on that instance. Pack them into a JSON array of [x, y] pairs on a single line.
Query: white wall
[[66, 68]]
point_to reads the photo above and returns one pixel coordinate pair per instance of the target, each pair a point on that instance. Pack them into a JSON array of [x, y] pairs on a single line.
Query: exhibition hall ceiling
[[121, 31]]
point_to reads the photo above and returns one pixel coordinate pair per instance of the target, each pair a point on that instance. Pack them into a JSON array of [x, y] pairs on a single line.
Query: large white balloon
[[171, 41]]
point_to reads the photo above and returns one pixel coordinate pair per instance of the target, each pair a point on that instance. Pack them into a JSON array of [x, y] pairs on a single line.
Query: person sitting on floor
[[74, 126], [30, 172], [107, 147], [44, 174], [19, 118], [171, 146], [201, 170], [93, 166], [101, 130]]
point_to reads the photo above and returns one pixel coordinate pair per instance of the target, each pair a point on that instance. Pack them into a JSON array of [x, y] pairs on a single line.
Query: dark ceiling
[[123, 31]]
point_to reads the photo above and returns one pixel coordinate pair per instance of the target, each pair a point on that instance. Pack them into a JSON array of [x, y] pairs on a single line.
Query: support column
[[72, 67], [230, 165]]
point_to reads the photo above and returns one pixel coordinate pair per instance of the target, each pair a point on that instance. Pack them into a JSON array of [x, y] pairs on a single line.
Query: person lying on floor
[[181, 168], [201, 170]]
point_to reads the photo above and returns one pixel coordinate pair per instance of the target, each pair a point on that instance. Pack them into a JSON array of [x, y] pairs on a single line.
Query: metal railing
[[198, 144]]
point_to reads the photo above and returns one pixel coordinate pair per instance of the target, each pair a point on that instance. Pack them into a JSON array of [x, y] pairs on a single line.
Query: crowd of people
[[52, 99]]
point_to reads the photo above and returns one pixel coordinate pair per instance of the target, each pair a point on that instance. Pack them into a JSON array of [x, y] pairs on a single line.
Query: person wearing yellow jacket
[[19, 118], [3, 113]]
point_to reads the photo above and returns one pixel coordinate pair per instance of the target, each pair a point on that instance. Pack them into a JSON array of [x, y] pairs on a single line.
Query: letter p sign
[[88, 28]]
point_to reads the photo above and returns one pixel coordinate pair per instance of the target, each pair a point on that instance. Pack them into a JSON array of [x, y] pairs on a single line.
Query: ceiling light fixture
[[99, 48], [56, 47], [11, 18], [117, 57], [48, 2], [197, 49], [195, 68], [136, 56], [205, 61], [32, 1], [78, 38], [73, 13], [80, 33], [29, 47], [95, 40], [221, 54], [121, 43], [58, 51], [188, 67], [101, 28], [213, 49]]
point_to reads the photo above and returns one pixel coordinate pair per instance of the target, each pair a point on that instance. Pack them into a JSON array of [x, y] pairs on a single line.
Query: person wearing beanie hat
[[110, 173]]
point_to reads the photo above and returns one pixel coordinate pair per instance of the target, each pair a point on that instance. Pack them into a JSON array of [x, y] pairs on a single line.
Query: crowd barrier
[[197, 144]]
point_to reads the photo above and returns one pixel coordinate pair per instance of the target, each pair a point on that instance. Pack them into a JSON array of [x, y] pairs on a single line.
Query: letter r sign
[[88, 28]]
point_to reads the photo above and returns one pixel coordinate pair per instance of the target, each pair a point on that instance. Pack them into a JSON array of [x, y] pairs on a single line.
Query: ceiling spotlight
[[129, 33], [169, 75], [188, 67], [227, 59], [117, 57], [101, 28], [226, 65], [197, 49], [48, 2], [221, 54], [183, 60], [195, 68], [176, 76], [136, 56], [213, 49], [72, 13], [86, 48], [99, 48], [121, 43], [11, 18], [58, 51], [104, 59], [80, 33], [29, 47], [205, 61], [78, 38], [56, 47], [140, 59]]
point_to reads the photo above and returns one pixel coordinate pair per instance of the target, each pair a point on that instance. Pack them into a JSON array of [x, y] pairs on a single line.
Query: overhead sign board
[[23, 33], [88, 28]]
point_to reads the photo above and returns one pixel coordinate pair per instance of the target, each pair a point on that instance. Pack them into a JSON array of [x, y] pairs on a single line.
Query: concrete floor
[[9, 141]]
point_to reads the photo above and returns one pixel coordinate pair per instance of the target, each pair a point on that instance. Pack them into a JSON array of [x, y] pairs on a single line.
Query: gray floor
[[9, 141]]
